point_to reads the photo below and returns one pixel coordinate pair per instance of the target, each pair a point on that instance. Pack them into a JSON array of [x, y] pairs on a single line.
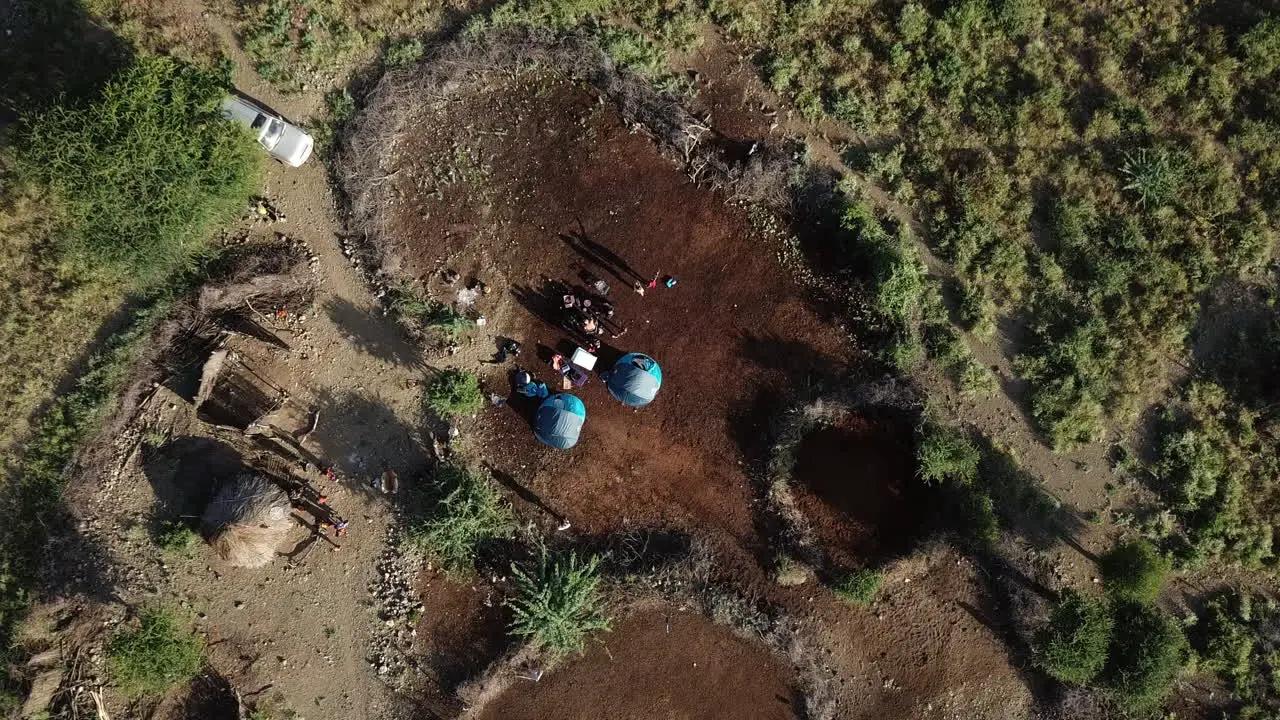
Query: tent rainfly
[[634, 380], [247, 520], [559, 421]]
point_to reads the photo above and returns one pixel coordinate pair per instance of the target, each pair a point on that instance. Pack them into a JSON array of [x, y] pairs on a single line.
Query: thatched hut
[[247, 520]]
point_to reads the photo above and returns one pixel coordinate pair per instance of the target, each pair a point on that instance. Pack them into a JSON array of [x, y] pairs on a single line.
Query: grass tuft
[[860, 587], [453, 393], [155, 657]]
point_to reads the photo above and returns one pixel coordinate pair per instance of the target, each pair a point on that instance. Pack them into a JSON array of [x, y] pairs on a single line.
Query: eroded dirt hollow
[[659, 663], [855, 482]]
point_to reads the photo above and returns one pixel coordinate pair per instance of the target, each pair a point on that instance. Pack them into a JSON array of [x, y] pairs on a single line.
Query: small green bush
[[403, 52], [454, 515], [946, 455], [1134, 571], [454, 392], [141, 175], [155, 657], [557, 603], [860, 587], [1229, 642], [177, 537], [1154, 175], [1073, 646], [1147, 651]]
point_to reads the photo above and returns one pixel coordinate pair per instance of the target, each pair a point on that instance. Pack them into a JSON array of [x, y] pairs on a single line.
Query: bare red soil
[[462, 629], [856, 484], [520, 180], [578, 192], [642, 670]]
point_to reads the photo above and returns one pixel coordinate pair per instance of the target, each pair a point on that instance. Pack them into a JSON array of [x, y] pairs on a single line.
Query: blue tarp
[[634, 380], [559, 421]]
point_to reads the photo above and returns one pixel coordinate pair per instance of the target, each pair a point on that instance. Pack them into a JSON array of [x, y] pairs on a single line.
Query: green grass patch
[[946, 455], [859, 587], [454, 515], [155, 657], [557, 603], [453, 393], [178, 538], [141, 175]]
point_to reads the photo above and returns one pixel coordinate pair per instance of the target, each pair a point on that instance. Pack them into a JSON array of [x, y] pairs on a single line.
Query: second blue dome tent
[[559, 421], [634, 380]]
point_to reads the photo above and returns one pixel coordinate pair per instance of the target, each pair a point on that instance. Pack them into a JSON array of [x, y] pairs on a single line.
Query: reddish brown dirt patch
[[856, 484], [697, 670], [493, 184], [461, 631]]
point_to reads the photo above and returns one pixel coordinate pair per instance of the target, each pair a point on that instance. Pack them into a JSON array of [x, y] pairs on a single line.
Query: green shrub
[[1154, 175], [1134, 571], [557, 603], [1072, 647], [141, 175], [404, 52], [155, 657], [1229, 642], [432, 315], [177, 537], [454, 392], [1147, 651], [288, 57], [860, 587], [454, 515], [1261, 46], [946, 455]]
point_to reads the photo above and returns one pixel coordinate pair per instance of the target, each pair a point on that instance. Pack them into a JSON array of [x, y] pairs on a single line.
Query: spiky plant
[[1154, 175], [557, 604]]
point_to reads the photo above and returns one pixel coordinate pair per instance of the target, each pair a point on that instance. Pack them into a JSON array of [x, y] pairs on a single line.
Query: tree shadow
[[53, 52], [361, 436], [1025, 508], [1007, 598], [184, 474], [372, 333]]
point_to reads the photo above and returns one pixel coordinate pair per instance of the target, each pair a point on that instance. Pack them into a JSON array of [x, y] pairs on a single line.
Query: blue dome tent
[[559, 421], [634, 380]]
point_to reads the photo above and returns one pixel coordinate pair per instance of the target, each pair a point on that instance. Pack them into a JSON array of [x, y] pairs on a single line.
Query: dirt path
[[310, 639]]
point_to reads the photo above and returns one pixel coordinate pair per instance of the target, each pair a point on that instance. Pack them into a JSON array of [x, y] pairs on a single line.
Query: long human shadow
[[509, 482], [372, 333], [602, 257]]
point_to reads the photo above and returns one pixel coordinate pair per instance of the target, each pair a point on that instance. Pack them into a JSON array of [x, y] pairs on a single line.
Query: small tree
[[1134, 571], [454, 392], [153, 658], [1148, 650], [557, 602], [1073, 646]]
